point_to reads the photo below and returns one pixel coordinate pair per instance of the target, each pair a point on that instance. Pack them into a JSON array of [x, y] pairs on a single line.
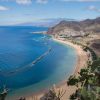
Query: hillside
[[72, 28]]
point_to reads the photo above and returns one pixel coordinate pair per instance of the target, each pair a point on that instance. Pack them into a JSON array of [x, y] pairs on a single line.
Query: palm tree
[[52, 94], [3, 94], [72, 80]]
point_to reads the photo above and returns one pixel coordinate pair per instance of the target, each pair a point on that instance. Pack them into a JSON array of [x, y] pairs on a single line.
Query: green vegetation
[[52, 94], [72, 81], [94, 56], [88, 82], [3, 94]]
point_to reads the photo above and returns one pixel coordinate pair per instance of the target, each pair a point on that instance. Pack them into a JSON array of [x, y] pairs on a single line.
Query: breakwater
[[20, 69], [42, 56]]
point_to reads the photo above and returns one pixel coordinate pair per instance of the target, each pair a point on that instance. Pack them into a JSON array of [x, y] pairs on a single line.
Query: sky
[[14, 12]]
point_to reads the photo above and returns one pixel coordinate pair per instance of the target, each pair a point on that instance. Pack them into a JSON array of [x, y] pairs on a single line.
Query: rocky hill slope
[[72, 28]]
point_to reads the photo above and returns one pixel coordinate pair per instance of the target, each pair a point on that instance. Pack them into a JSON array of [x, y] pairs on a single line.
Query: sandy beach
[[81, 63]]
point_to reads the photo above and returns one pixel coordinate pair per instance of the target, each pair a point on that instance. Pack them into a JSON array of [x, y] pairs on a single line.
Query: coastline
[[81, 62]]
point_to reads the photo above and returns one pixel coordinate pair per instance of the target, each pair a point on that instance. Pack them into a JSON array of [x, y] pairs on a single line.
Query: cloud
[[93, 8], [42, 1], [2, 8], [79, 0], [27, 2], [24, 2]]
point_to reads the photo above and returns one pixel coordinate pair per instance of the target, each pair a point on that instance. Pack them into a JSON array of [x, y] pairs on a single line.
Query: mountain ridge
[[76, 27]]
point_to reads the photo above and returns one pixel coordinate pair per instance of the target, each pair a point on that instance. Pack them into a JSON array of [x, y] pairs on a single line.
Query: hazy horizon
[[14, 12]]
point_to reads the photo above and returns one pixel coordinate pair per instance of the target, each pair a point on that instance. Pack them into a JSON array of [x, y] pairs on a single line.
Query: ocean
[[23, 70]]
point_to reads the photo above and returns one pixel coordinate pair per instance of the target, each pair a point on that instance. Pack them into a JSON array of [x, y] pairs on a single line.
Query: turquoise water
[[19, 48]]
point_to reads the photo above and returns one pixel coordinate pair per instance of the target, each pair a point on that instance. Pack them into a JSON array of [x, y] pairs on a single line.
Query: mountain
[[76, 27], [44, 22]]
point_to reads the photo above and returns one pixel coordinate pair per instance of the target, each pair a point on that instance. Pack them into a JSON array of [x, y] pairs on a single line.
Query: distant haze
[[45, 22]]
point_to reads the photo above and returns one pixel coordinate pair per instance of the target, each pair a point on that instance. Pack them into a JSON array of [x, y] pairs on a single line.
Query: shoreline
[[81, 62], [82, 59]]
